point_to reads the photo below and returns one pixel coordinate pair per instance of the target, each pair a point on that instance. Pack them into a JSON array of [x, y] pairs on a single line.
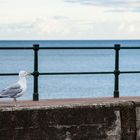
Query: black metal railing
[[36, 73]]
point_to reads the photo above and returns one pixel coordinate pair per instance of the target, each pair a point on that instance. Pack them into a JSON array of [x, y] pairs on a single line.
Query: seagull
[[16, 90]]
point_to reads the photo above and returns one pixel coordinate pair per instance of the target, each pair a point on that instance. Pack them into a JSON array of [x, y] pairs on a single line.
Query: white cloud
[[76, 19], [129, 28], [132, 28], [121, 27], [113, 5]]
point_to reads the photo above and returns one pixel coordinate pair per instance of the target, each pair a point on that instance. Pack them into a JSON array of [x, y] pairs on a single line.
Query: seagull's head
[[24, 73]]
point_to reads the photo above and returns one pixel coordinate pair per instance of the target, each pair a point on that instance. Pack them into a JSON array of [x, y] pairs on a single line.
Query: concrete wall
[[108, 121]]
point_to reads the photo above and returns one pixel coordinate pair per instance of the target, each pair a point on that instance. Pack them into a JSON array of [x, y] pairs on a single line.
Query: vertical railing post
[[116, 71], [35, 73]]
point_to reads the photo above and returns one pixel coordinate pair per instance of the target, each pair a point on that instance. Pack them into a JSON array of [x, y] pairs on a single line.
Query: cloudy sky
[[69, 19]]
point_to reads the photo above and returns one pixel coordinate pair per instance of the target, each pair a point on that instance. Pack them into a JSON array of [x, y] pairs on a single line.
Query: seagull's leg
[[15, 101]]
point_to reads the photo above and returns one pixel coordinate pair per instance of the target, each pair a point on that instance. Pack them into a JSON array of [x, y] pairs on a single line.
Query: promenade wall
[[81, 119]]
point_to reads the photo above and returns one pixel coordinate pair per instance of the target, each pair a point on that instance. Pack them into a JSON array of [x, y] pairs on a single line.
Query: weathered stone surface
[[128, 125], [138, 122], [58, 124], [101, 121]]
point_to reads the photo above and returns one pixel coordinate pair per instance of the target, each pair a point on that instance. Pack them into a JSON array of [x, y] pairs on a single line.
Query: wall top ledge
[[69, 103]]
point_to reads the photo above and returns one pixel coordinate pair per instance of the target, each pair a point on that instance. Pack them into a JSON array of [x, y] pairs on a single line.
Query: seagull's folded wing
[[11, 91]]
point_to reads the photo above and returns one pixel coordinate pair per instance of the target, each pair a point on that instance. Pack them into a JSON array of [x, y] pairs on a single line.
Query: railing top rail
[[52, 48], [67, 48], [74, 48], [16, 48]]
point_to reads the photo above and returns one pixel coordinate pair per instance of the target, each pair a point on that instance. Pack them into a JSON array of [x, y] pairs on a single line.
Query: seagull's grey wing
[[11, 91]]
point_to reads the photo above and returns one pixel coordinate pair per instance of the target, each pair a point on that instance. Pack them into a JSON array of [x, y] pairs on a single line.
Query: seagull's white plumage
[[17, 89]]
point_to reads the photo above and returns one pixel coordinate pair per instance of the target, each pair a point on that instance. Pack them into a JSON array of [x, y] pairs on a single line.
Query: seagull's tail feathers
[[2, 95]]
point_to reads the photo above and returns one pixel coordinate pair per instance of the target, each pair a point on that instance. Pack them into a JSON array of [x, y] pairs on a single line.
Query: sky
[[69, 19]]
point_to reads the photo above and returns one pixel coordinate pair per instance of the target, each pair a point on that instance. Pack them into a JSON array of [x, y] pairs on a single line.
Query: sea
[[72, 86]]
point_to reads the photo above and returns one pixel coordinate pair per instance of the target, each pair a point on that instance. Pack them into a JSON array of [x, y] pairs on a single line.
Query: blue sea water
[[72, 86]]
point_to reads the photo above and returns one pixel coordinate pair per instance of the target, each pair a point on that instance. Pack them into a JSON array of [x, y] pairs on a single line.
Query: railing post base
[[35, 97], [116, 94]]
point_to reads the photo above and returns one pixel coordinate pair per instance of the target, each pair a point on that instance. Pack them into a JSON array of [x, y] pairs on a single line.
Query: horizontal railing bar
[[129, 47], [72, 73], [52, 48], [74, 48], [127, 72], [8, 74], [58, 73], [16, 48], [59, 48], [95, 47]]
